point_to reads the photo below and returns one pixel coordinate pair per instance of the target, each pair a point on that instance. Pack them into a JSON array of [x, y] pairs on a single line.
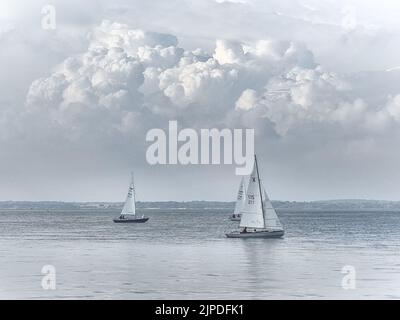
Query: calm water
[[183, 254]]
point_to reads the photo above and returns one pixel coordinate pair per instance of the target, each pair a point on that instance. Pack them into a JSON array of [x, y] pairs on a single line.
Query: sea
[[184, 254]]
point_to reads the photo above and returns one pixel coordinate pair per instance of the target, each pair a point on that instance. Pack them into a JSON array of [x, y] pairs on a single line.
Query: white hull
[[257, 234]]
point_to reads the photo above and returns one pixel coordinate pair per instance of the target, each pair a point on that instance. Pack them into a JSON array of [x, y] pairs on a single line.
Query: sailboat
[[259, 219], [240, 201], [128, 214]]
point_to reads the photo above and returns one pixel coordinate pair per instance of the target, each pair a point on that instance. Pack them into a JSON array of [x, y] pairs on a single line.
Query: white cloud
[[129, 75], [95, 96], [393, 107], [127, 70], [247, 100]]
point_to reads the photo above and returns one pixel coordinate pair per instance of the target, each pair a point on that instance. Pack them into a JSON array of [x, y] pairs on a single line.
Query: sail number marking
[[250, 198]]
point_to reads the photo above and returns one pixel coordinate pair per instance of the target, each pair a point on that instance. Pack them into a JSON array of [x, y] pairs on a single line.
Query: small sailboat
[[128, 214], [240, 201], [259, 219]]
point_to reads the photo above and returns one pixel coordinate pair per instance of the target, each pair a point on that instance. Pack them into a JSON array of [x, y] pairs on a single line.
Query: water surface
[[183, 254]]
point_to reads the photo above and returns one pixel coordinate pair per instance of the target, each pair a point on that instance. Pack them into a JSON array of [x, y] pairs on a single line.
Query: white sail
[[271, 219], [130, 206], [252, 212], [258, 211], [241, 198]]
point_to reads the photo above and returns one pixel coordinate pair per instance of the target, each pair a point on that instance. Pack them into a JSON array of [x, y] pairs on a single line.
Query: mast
[[133, 193], [261, 193], [133, 184], [259, 186]]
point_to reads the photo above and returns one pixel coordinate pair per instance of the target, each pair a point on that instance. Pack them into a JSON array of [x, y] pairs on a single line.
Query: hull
[[135, 220], [236, 218], [257, 234]]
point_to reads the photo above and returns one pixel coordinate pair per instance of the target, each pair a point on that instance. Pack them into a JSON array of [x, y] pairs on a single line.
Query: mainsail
[[257, 211], [252, 212], [241, 198], [130, 207]]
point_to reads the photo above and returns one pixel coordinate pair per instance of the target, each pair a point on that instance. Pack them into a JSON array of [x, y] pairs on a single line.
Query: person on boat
[[244, 230]]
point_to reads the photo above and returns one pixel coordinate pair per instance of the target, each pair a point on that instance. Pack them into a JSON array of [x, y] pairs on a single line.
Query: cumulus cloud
[[128, 78], [103, 100], [298, 96], [393, 107], [127, 71], [303, 97]]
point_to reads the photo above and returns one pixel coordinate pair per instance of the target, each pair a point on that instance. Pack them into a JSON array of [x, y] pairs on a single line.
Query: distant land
[[335, 205]]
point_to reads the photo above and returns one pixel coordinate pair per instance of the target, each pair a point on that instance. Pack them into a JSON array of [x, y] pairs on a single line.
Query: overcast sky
[[318, 80]]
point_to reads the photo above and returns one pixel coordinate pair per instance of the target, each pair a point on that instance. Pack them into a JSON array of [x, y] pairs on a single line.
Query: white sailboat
[[240, 201], [259, 219], [128, 213]]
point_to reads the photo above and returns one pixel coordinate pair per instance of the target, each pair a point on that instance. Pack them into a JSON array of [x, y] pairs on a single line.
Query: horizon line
[[184, 201]]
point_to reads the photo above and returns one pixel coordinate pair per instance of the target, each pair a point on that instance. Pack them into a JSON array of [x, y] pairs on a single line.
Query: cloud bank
[[322, 132], [129, 80]]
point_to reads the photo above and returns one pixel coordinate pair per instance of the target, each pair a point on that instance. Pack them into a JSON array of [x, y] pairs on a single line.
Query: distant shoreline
[[321, 205]]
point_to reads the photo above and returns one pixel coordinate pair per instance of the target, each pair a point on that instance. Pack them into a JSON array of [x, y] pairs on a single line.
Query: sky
[[318, 81]]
